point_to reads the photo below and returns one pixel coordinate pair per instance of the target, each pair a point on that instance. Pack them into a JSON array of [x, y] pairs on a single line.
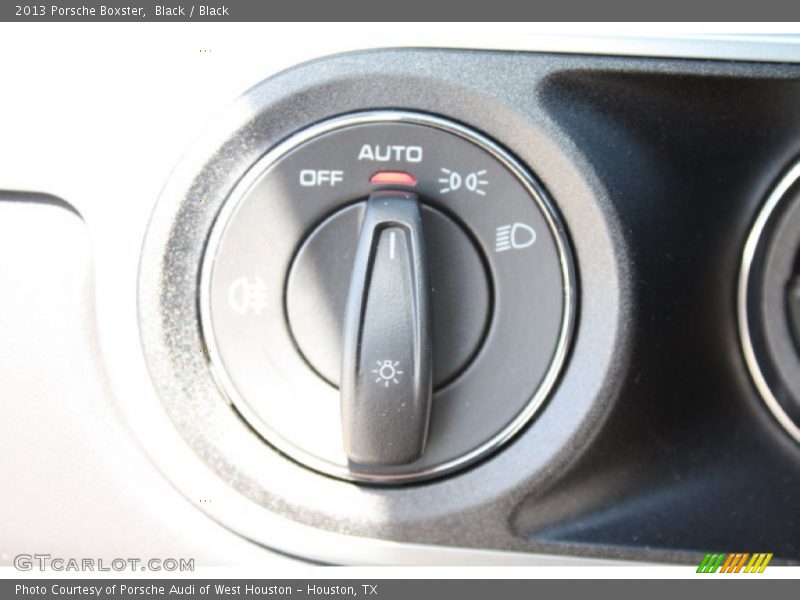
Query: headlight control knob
[[387, 296], [429, 304], [386, 402]]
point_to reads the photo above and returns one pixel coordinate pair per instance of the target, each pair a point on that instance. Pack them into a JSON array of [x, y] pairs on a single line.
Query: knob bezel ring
[[753, 248], [534, 190]]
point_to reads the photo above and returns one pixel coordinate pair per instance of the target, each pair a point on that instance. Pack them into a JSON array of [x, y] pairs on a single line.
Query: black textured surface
[[655, 443], [688, 460]]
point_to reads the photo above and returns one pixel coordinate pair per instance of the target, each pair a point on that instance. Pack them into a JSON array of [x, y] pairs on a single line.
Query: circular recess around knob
[[501, 278], [769, 302]]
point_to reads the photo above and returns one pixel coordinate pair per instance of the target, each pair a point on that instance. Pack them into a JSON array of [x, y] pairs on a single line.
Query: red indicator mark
[[393, 178]]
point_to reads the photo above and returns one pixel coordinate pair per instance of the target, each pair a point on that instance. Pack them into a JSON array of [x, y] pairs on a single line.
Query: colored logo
[[735, 563]]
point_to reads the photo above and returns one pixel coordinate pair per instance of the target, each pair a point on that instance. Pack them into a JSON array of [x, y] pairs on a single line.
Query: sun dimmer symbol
[[387, 372]]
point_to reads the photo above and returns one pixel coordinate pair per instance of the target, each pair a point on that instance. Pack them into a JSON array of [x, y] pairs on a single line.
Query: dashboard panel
[[638, 364]]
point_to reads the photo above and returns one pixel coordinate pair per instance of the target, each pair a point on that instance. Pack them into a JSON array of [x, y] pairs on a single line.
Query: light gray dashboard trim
[[783, 47]]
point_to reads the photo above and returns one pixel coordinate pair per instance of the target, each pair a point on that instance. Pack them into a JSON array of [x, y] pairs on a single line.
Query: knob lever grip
[[386, 382]]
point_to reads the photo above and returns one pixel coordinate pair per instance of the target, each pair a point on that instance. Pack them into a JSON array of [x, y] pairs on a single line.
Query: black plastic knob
[[386, 382]]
